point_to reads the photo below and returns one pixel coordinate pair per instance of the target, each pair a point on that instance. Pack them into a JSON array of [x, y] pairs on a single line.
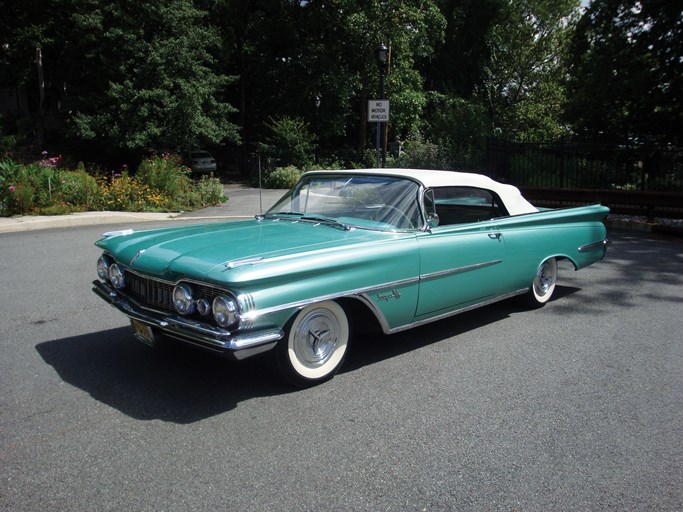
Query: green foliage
[[208, 191], [78, 189], [162, 184], [290, 142], [282, 177], [151, 75], [626, 73], [523, 79], [165, 175], [459, 127], [158, 85], [419, 154]]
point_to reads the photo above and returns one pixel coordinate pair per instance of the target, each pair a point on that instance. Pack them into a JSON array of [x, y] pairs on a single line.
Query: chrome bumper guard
[[236, 346]]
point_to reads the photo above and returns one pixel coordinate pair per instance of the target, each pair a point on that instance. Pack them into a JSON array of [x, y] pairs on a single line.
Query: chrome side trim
[[387, 330], [459, 270], [252, 315], [594, 245]]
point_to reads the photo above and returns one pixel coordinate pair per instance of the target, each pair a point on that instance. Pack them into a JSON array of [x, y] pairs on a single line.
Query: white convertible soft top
[[510, 195]]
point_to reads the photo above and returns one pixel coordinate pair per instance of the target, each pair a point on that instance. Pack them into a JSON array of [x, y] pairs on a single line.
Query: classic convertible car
[[343, 250]]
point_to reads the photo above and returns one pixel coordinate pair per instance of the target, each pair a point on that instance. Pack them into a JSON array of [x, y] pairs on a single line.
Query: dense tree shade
[[148, 76]]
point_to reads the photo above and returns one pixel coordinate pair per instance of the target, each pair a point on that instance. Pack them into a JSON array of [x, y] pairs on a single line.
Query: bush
[[282, 177], [161, 184], [290, 143], [419, 154], [208, 191], [166, 175], [79, 189]]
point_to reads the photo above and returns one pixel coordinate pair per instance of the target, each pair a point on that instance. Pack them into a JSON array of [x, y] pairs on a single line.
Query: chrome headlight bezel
[[103, 263], [183, 300], [116, 276], [226, 311]]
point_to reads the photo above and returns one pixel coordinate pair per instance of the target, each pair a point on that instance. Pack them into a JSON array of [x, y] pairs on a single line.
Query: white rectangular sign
[[378, 111]]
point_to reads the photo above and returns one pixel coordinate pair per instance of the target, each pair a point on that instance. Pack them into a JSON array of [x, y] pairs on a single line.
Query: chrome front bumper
[[232, 344]]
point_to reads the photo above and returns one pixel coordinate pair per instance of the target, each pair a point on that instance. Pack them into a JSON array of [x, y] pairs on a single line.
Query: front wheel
[[315, 345], [543, 285]]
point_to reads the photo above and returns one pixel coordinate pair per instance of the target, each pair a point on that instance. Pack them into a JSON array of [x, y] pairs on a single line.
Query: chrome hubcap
[[544, 279], [315, 340]]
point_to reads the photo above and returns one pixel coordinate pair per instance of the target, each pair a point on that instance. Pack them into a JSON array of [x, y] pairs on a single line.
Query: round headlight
[[116, 276], [225, 311], [182, 299], [203, 307], [103, 267]]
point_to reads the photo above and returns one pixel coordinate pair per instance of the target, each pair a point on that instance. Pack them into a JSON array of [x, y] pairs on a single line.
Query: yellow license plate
[[143, 332]]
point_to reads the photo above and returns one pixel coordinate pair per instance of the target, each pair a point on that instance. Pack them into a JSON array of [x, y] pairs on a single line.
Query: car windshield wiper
[[327, 221], [270, 215]]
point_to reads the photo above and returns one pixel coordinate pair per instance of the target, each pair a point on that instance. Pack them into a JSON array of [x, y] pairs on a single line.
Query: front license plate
[[143, 332]]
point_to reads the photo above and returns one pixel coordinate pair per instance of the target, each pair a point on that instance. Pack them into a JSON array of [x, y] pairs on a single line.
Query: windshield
[[371, 202]]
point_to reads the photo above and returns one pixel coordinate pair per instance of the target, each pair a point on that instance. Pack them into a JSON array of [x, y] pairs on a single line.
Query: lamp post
[[382, 54], [316, 102]]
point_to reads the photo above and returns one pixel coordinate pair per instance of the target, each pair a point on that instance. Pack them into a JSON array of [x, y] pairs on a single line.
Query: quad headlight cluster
[[223, 307], [110, 271]]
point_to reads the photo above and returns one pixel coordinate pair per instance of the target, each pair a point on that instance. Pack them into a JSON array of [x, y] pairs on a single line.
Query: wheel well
[[361, 318], [567, 258]]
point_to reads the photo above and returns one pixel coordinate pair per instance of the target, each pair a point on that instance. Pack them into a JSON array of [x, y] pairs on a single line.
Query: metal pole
[[380, 126], [377, 145]]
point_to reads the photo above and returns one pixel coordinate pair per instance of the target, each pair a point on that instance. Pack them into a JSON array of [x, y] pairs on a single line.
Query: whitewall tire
[[315, 344]]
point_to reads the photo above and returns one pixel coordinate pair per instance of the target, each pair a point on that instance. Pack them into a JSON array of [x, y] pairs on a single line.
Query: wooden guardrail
[[622, 202]]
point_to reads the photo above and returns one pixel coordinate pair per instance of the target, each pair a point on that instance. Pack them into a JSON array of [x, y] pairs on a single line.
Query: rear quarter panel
[[532, 238]]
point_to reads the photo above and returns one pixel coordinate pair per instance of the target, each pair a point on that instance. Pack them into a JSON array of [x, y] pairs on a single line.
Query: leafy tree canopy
[[627, 71]]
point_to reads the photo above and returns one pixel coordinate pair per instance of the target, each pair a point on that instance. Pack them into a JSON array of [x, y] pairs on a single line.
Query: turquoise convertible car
[[343, 250]]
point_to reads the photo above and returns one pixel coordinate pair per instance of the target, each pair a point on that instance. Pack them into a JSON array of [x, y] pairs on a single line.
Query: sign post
[[378, 112]]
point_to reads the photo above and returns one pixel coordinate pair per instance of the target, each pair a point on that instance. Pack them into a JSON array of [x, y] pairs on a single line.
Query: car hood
[[206, 251]]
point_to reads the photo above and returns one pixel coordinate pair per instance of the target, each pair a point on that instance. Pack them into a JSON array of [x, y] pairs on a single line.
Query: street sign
[[378, 111]]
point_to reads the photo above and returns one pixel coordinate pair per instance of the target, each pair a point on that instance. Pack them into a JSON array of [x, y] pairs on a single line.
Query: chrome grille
[[150, 292], [159, 294]]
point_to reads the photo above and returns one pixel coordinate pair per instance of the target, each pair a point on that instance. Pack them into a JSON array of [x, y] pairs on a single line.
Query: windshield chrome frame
[[337, 175]]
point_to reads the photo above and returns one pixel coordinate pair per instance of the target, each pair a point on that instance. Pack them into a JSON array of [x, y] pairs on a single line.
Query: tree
[[627, 72], [523, 85], [288, 52], [153, 84]]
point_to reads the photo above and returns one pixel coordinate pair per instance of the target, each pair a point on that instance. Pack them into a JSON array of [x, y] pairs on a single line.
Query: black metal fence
[[586, 166]]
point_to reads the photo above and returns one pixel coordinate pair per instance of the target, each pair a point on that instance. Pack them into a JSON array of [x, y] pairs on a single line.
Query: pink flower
[[12, 188]]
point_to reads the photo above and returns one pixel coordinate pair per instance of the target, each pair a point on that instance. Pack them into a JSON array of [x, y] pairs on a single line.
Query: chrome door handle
[[495, 236]]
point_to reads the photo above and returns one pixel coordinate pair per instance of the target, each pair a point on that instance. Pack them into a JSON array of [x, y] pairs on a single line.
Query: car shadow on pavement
[[369, 348], [173, 383], [180, 384]]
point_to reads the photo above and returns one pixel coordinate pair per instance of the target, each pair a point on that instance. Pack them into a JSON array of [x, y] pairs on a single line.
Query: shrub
[[78, 188], [423, 155], [290, 143], [166, 175], [210, 191], [282, 177]]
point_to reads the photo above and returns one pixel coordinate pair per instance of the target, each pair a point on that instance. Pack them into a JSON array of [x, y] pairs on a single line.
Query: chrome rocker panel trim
[[458, 310], [237, 346]]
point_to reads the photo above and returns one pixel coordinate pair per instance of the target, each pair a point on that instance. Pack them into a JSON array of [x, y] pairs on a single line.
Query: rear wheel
[[543, 285], [315, 345]]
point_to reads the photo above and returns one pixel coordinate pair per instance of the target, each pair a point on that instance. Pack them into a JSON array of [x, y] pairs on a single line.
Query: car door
[[462, 260]]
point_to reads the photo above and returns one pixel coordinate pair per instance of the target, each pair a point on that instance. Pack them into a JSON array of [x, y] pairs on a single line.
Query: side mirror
[[432, 220]]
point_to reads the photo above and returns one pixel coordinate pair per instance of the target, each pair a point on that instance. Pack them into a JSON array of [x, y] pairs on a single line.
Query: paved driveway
[[577, 406]]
